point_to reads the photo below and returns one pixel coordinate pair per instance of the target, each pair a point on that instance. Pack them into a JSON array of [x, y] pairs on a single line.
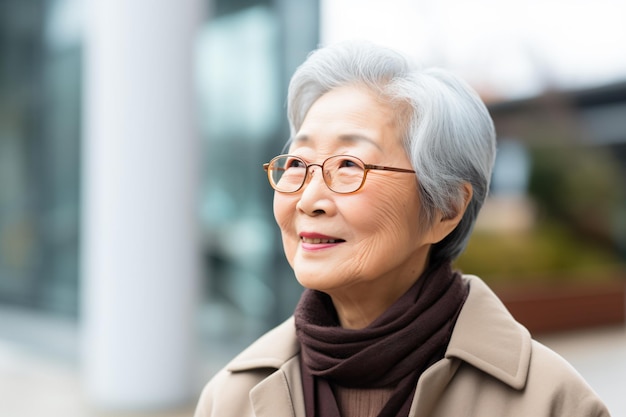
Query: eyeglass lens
[[342, 174]]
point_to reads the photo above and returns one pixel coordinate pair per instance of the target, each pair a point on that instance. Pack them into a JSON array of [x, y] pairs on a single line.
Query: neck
[[359, 305], [354, 314]]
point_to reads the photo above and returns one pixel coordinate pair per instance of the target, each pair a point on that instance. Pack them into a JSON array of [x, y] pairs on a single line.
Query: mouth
[[318, 239]]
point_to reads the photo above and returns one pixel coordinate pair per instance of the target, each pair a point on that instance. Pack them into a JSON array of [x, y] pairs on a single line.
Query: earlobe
[[443, 226]]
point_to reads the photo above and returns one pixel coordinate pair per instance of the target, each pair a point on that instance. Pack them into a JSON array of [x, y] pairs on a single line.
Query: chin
[[314, 281], [309, 282]]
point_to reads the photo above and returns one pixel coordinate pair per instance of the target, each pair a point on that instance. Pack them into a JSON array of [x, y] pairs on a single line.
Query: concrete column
[[140, 249]]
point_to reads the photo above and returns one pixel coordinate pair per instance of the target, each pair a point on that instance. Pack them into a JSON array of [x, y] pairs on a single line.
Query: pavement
[[35, 383]]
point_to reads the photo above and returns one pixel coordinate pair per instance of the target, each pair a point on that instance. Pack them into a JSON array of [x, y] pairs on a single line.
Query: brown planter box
[[554, 308]]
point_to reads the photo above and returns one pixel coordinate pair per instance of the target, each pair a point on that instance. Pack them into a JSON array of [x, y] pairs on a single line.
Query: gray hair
[[448, 133]]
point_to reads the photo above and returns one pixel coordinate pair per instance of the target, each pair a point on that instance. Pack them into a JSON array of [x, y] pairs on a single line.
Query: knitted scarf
[[392, 351]]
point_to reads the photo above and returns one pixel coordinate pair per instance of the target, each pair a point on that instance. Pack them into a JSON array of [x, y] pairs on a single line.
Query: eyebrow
[[345, 138]]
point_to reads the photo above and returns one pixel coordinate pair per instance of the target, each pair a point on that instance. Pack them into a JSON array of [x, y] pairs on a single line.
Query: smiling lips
[[317, 241]]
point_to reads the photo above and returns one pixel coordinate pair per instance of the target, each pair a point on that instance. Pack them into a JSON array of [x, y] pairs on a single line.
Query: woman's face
[[368, 242]]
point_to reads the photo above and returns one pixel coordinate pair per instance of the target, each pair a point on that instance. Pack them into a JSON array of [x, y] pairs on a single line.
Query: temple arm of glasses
[[266, 166], [383, 168]]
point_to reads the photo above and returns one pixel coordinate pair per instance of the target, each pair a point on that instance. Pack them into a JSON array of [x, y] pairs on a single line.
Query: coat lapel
[[280, 394], [431, 386], [488, 337]]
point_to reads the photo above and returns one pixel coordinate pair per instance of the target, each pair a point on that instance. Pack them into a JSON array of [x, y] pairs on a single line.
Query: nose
[[311, 172], [316, 197]]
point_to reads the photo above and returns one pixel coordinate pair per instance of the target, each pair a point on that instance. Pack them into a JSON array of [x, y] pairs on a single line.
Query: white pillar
[[140, 184]]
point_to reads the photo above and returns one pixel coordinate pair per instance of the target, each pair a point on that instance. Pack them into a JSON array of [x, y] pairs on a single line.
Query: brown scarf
[[392, 351]]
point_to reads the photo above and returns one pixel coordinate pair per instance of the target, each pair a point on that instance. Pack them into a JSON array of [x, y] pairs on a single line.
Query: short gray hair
[[448, 133]]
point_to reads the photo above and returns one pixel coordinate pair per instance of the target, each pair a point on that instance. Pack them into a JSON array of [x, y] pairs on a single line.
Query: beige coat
[[492, 367]]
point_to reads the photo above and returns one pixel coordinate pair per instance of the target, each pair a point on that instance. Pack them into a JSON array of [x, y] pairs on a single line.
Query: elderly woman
[[387, 169]]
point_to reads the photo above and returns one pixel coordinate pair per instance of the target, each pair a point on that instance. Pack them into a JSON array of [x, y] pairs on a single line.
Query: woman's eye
[[348, 163], [294, 163]]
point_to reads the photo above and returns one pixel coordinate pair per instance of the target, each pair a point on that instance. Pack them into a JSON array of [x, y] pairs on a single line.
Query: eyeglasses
[[342, 174]]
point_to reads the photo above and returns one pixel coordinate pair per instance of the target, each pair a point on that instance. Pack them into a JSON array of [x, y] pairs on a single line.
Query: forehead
[[341, 139], [348, 115]]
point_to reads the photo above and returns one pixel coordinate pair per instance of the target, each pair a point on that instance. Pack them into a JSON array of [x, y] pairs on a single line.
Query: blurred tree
[[581, 186]]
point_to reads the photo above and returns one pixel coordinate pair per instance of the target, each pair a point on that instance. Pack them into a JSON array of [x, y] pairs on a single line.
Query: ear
[[443, 226]]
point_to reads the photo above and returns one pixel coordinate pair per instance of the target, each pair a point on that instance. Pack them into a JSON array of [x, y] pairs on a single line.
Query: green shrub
[[550, 252]]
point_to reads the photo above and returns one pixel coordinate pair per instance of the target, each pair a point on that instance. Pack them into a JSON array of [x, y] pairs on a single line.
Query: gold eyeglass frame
[[366, 169]]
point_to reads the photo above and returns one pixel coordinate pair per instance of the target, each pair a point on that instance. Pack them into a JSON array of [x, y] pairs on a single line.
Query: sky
[[505, 48]]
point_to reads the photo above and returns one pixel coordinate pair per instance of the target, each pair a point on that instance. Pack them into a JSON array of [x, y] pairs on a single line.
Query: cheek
[[284, 211], [393, 229], [396, 211]]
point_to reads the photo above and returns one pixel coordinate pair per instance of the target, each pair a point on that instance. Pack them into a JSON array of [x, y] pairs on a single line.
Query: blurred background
[[138, 251]]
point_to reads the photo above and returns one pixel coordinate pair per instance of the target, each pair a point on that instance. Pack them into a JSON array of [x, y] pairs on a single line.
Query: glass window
[[40, 74]]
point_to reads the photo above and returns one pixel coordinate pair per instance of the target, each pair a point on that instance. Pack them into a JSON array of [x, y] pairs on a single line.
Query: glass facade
[[40, 87], [243, 62], [242, 78]]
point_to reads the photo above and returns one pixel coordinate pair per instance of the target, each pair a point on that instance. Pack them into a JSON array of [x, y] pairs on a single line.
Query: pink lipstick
[[317, 241]]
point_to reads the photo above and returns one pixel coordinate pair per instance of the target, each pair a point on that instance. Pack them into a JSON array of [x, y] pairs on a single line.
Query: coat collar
[[271, 350], [488, 337], [485, 336], [280, 393]]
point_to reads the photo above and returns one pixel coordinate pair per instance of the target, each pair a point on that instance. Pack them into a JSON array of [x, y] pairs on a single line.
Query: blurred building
[[57, 172], [40, 91], [572, 148]]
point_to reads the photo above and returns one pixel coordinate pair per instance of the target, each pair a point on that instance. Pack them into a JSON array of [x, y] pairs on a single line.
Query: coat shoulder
[[555, 380], [224, 392], [271, 350], [503, 371]]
